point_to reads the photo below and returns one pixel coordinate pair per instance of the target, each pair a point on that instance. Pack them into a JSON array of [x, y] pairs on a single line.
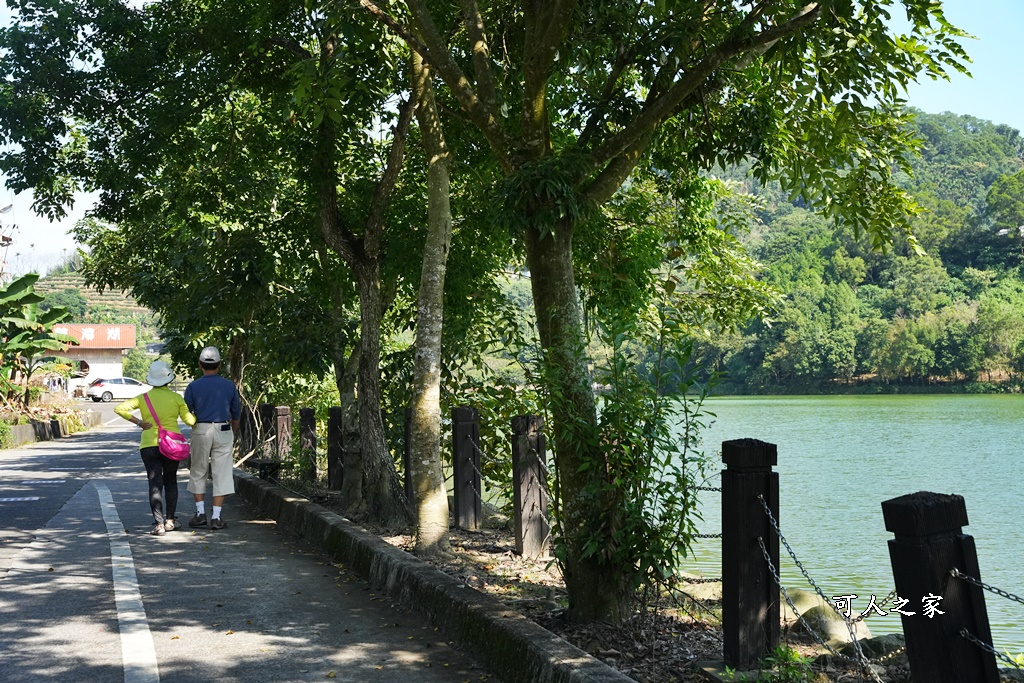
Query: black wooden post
[[307, 441], [283, 432], [335, 468], [928, 545], [750, 595], [407, 458], [529, 484], [466, 467]]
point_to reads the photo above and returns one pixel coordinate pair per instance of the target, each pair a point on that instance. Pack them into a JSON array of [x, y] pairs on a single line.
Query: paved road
[[249, 603]]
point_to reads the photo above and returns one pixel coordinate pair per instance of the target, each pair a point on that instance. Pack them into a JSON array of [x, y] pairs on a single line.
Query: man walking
[[215, 402]]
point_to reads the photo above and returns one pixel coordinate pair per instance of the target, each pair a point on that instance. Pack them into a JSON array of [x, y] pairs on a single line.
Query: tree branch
[[664, 106], [386, 184], [289, 45], [431, 46], [393, 24], [481, 56], [611, 177]]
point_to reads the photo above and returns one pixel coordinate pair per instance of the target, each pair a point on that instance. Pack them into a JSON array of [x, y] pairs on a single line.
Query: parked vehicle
[[116, 387]]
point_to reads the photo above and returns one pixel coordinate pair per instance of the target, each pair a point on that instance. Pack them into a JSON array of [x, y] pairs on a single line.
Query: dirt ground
[[662, 643]]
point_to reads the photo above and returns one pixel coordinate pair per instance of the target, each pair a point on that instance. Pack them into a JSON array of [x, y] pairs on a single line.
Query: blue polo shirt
[[213, 398]]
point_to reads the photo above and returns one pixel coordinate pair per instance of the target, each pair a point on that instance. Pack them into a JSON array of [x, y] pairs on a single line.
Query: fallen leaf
[[330, 674], [230, 633], [175, 637]]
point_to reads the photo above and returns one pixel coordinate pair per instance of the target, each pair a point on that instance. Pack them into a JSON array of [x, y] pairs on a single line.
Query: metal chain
[[699, 605], [964, 633], [799, 564], [860, 659], [702, 486], [803, 570], [956, 573], [686, 579], [849, 622], [469, 437], [785, 594], [472, 464], [707, 535]]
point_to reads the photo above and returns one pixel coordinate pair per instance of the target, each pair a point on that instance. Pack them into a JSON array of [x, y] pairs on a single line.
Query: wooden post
[[335, 467], [410, 494], [928, 545], [466, 467], [282, 432], [307, 442], [750, 595], [529, 483]]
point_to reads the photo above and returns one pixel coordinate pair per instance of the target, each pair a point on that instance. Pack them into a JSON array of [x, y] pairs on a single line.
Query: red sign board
[[99, 336]]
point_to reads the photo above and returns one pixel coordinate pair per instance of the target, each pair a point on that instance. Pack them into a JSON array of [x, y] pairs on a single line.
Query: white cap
[[210, 354], [160, 373]]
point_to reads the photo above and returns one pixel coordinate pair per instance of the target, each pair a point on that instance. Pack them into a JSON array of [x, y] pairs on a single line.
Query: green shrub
[[6, 436]]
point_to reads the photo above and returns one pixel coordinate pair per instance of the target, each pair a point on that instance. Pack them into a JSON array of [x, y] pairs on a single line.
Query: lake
[[841, 456]]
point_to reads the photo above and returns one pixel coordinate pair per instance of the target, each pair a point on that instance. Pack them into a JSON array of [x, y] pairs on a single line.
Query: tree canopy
[[236, 140]]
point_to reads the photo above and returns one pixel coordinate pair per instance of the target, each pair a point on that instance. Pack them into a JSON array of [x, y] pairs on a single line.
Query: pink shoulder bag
[[171, 444]]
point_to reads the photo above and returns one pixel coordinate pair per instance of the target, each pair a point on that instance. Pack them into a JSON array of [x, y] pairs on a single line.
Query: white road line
[[137, 650], [43, 481], [18, 500], [110, 422]]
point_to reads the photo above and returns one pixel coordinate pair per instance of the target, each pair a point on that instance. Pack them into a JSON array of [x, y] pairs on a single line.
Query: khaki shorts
[[211, 450]]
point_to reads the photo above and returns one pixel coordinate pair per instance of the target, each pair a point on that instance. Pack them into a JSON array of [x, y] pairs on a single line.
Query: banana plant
[[27, 336]]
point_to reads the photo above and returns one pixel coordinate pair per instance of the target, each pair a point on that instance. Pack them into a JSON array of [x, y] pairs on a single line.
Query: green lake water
[[841, 456]]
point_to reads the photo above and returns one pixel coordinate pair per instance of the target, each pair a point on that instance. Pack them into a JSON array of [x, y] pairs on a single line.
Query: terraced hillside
[[111, 307], [108, 298]]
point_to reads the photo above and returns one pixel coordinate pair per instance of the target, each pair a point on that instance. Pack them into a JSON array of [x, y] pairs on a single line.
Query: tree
[[295, 110], [136, 364], [1004, 206], [26, 335], [425, 447], [574, 97], [69, 299]]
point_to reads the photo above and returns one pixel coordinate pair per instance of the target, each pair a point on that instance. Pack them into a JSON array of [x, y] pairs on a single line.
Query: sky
[[995, 93]]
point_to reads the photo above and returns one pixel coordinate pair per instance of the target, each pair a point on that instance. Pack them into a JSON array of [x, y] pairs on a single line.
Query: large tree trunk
[[425, 441], [383, 495], [596, 588], [383, 498]]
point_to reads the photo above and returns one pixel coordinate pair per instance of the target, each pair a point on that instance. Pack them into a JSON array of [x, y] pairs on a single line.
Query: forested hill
[[850, 317]]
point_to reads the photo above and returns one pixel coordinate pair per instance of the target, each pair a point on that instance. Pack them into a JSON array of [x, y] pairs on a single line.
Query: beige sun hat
[[160, 374]]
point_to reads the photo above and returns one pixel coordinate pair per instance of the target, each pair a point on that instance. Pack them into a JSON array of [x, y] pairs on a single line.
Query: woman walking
[[162, 472]]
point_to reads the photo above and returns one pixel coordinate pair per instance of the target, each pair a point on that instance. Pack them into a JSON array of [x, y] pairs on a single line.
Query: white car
[[116, 387]]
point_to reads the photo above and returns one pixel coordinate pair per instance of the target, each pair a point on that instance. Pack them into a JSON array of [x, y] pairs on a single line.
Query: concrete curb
[[49, 430], [502, 640]]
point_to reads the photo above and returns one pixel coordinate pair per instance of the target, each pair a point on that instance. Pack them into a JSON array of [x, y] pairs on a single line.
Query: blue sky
[[995, 93]]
